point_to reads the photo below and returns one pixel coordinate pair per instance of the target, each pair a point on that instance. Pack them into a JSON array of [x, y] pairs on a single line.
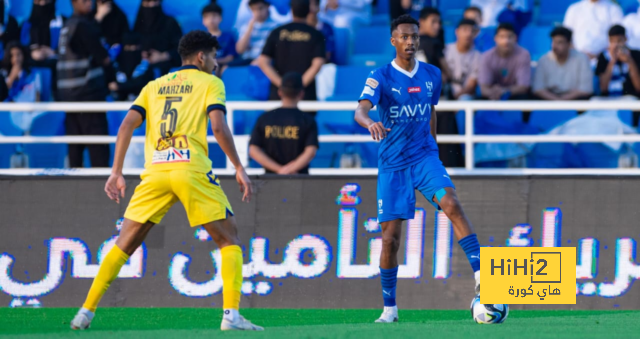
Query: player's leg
[[447, 199], [433, 181], [391, 232], [207, 205], [150, 202], [396, 202], [131, 237]]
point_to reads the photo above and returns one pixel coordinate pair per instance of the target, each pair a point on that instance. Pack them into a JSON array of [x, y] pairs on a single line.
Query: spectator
[[347, 14], [254, 34], [505, 70], [23, 84], [44, 30], [9, 30], [133, 71], [285, 140], [492, 9], [294, 47], [618, 66], [211, 19], [161, 32], [589, 21], [563, 73], [113, 23], [245, 13], [483, 40], [324, 28], [81, 78], [631, 23], [463, 60], [431, 47]]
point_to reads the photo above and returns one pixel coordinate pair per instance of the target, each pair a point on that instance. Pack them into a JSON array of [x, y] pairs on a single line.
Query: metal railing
[[469, 139]]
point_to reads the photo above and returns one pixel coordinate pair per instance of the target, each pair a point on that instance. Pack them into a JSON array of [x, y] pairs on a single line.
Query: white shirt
[[632, 23], [590, 23]]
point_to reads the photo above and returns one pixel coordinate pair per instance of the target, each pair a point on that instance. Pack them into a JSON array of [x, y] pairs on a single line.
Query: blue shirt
[[329, 38], [227, 43], [404, 101]]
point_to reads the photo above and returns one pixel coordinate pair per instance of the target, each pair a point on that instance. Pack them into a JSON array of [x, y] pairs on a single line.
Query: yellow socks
[[231, 276], [109, 269]]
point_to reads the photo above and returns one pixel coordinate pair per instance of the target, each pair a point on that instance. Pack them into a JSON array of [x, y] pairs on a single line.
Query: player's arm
[[225, 140], [434, 123], [377, 129], [115, 186]]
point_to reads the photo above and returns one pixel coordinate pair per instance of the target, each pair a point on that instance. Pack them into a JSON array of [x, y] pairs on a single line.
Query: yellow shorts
[[200, 193]]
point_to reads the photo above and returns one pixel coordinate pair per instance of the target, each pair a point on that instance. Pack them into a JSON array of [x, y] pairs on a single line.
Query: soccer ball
[[488, 313]]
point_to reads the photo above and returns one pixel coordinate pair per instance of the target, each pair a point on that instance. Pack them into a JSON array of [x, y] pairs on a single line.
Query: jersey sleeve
[[216, 96], [372, 88], [141, 104]]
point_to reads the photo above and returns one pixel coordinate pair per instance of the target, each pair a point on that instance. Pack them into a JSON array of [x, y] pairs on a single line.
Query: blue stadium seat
[[349, 82], [130, 9], [452, 10], [7, 128], [364, 44], [628, 6], [21, 10], [380, 19], [184, 7], [382, 7], [47, 155], [449, 34], [592, 155], [189, 23], [217, 156], [626, 117], [370, 60], [552, 12], [63, 7], [229, 12], [234, 79], [536, 40], [547, 120], [114, 120], [45, 78], [343, 45]]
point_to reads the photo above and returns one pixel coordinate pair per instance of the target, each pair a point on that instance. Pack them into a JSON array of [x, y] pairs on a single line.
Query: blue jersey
[[404, 101]]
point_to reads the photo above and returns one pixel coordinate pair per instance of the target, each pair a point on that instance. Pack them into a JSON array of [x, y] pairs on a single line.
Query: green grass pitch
[[183, 323]]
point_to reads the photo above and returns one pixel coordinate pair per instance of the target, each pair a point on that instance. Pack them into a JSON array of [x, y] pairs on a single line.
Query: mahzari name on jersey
[[177, 89]]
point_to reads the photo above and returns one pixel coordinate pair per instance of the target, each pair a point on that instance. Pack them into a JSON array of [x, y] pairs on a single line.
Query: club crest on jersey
[[429, 85], [414, 90]]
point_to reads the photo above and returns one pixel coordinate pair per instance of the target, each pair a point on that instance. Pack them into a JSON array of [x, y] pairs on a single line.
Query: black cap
[[292, 81]]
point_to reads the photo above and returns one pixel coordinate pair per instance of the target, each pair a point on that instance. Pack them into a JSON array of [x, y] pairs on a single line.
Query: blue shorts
[[396, 189]]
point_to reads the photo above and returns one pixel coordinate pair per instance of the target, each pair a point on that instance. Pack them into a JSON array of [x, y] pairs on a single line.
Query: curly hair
[[403, 19], [196, 41]]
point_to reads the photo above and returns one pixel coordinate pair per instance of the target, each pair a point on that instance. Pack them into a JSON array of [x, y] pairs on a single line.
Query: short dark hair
[[196, 41], [291, 85], [507, 27], [300, 8], [212, 8], [255, 2], [473, 9], [467, 22], [563, 32], [617, 30], [428, 11], [403, 19]]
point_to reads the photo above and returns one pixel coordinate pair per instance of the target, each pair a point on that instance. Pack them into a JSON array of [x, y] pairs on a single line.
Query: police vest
[[78, 77]]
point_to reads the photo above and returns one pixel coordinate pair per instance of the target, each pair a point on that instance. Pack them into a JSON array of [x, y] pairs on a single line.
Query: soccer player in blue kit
[[406, 92]]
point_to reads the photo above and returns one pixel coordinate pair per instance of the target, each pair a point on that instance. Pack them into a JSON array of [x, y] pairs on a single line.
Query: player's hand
[[245, 184], [115, 187], [378, 131]]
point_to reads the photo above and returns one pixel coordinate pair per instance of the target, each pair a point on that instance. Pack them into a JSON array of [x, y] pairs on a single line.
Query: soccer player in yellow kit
[[177, 108]]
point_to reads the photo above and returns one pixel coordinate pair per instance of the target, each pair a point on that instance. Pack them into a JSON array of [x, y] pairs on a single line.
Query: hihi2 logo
[[528, 275]]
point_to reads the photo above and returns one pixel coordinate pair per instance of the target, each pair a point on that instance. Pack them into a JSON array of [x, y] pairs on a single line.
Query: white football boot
[[239, 323], [82, 320], [477, 276], [389, 315]]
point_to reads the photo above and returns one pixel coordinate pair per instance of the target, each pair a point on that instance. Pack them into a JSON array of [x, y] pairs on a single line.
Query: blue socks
[[471, 248], [389, 278]]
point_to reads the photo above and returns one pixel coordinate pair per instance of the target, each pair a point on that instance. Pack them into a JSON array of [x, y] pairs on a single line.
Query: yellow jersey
[[176, 108]]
